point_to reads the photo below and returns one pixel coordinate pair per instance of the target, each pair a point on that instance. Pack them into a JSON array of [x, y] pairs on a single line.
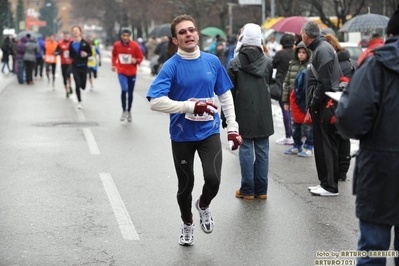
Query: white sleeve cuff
[[166, 105], [227, 104]]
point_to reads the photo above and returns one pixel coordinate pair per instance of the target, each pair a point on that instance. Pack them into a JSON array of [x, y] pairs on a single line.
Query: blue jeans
[[21, 71], [302, 130], [254, 173], [376, 237], [5, 63]]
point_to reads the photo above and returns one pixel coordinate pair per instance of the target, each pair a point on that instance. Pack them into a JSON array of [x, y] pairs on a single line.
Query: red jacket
[[122, 55], [63, 50], [374, 43]]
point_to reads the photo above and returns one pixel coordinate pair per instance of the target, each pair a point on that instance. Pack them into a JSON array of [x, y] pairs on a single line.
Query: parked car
[[353, 49]]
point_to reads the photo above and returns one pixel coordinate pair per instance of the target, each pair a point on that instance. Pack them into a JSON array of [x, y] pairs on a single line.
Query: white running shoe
[[323, 193], [187, 235], [80, 106], [123, 116], [285, 141], [206, 220], [314, 187], [129, 116]]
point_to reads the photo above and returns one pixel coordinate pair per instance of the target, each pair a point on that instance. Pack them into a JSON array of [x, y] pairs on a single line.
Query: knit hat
[[326, 31], [393, 23], [251, 35]]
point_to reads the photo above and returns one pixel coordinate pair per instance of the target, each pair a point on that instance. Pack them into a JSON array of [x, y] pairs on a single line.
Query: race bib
[[65, 54], [50, 58], [91, 59], [125, 58], [200, 118]]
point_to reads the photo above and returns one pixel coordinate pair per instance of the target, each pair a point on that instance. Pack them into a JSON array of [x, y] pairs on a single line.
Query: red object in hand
[[205, 107], [234, 139]]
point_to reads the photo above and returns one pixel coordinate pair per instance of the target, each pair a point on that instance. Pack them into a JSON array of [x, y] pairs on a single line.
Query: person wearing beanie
[[368, 111], [251, 72], [281, 63], [126, 57], [375, 41], [186, 87]]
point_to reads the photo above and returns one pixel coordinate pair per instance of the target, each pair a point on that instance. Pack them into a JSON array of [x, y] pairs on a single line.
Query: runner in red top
[[66, 61], [126, 55]]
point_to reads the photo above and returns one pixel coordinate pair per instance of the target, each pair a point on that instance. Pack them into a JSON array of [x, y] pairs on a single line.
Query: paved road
[[79, 187]]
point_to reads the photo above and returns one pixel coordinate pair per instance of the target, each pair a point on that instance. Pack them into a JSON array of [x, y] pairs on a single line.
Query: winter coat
[[369, 111], [295, 66], [328, 71], [251, 72], [281, 62], [6, 49], [30, 50], [347, 64], [40, 42], [21, 48]]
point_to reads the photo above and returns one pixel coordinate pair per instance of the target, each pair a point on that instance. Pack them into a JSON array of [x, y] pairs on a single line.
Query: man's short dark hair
[[311, 29]]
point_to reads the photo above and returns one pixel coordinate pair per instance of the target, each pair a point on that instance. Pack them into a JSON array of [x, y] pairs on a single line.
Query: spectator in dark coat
[[369, 110], [281, 62], [7, 51]]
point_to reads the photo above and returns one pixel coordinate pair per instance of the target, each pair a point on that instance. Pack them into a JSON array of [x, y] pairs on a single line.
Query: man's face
[[76, 32], [125, 37], [186, 36], [305, 38], [66, 36]]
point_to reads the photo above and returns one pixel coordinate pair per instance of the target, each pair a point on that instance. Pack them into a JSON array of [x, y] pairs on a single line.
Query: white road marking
[[91, 142], [122, 216]]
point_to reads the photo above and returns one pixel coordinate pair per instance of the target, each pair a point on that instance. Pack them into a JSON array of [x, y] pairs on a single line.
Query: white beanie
[[251, 35]]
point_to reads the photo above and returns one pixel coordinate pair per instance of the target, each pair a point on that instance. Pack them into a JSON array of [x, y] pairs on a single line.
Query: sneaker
[[306, 153], [323, 193], [285, 141], [241, 196], [292, 151], [123, 116], [129, 116], [206, 219], [70, 90], [186, 235], [80, 106], [67, 95], [314, 187]]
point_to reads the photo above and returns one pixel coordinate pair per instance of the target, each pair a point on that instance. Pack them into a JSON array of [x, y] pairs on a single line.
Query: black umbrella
[[162, 30]]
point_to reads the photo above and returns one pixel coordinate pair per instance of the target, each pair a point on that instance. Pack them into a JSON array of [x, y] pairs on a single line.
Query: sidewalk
[[6, 79]]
